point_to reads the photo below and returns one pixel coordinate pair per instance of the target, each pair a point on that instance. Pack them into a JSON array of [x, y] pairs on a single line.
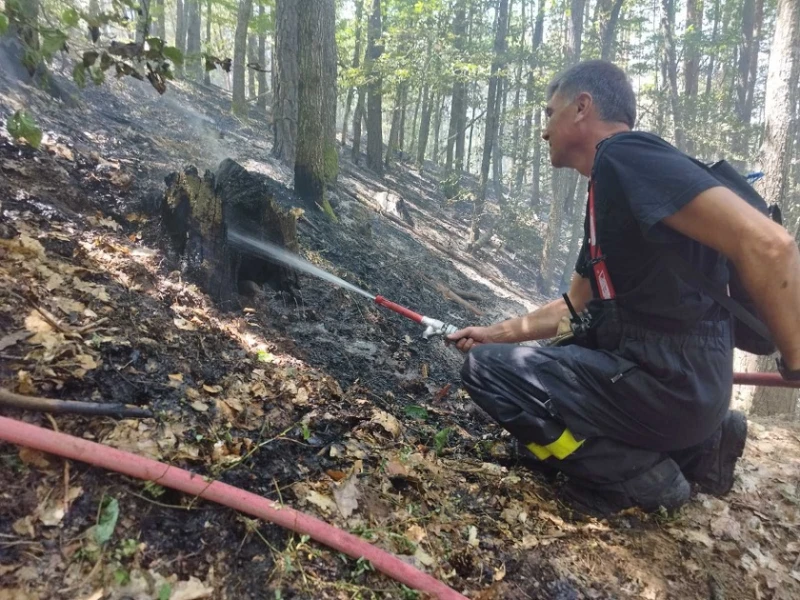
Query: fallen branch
[[467, 295], [72, 407], [451, 295]]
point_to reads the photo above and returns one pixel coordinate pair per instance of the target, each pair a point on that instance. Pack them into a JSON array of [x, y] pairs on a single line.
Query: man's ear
[[584, 103]]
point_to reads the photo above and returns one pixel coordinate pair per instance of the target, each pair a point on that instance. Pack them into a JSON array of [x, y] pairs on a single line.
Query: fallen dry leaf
[[68, 306], [183, 324], [301, 398], [389, 423], [336, 475], [346, 495], [213, 389], [12, 338], [499, 573], [34, 457], [24, 527], [97, 291], [320, 501], [36, 323], [86, 362], [199, 406], [415, 533], [423, 557], [25, 383], [192, 393], [396, 469]]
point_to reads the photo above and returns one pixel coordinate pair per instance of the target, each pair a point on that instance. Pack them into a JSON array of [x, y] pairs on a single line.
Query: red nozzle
[[402, 310]]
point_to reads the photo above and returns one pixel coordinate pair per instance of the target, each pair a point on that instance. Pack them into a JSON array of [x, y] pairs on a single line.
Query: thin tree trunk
[[412, 147], [180, 33], [143, 22], [206, 73], [193, 44], [608, 30], [374, 97], [285, 82], [252, 59], [713, 46], [424, 126], [263, 86], [330, 61], [530, 97], [401, 142], [437, 125], [239, 105], [458, 107], [537, 159], [492, 118], [667, 30], [394, 132], [309, 167], [357, 120], [356, 65], [161, 26], [515, 138]]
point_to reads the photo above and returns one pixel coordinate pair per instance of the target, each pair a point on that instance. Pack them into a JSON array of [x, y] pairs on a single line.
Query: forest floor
[[326, 403]]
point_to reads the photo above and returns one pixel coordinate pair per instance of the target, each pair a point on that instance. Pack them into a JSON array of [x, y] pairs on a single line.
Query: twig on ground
[[63, 407]]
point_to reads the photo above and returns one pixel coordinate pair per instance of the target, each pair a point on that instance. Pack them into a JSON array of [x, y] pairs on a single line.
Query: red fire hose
[[765, 380], [61, 444]]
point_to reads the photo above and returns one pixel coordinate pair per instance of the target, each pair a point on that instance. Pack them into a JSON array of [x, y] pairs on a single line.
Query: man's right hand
[[466, 339]]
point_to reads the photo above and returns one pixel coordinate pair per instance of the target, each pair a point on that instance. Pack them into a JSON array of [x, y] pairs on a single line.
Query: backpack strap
[[699, 280], [598, 260]]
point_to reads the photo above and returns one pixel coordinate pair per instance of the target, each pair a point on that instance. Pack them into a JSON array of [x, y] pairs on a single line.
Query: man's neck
[[598, 134]]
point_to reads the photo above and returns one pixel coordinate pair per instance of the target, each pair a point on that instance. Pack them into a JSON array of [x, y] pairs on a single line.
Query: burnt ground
[[322, 401]]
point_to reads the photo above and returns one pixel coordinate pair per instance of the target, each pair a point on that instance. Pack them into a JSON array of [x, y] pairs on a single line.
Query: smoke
[[209, 151]]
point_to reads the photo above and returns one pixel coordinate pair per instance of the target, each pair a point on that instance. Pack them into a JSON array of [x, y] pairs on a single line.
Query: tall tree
[[752, 15], [458, 106], [252, 61], [330, 61], [356, 64], [492, 119], [531, 104], [608, 29], [285, 82], [143, 21], [239, 104], [180, 32], [671, 64], [160, 15], [206, 72], [309, 167], [375, 93], [262, 61], [691, 68], [194, 66]]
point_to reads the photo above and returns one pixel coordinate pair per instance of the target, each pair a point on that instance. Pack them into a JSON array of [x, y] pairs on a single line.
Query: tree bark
[[667, 29], [252, 58], [608, 29], [180, 32], [492, 118], [358, 118], [263, 85], [691, 69], [161, 27], [458, 107], [530, 97], [375, 94], [193, 62], [239, 104], [143, 21], [330, 81], [285, 82], [356, 65], [206, 73], [752, 15], [437, 124], [309, 168], [425, 125]]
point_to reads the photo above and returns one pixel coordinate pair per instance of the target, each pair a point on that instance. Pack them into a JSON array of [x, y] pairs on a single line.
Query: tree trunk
[[193, 63], [437, 124], [752, 15], [667, 29], [196, 213], [375, 94], [206, 73], [356, 65], [536, 171], [285, 82], [263, 88], [515, 137], [458, 107], [239, 104], [492, 118], [412, 147], [608, 28], [252, 59], [424, 126], [358, 118], [394, 132], [401, 142], [160, 30], [782, 80], [309, 168], [180, 32], [330, 80], [691, 68], [143, 21], [530, 97]]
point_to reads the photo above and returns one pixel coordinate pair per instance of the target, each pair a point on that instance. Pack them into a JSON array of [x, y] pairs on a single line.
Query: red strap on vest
[[601, 275]]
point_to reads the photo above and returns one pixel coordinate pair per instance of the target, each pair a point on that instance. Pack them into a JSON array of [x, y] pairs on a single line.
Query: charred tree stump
[[198, 212]]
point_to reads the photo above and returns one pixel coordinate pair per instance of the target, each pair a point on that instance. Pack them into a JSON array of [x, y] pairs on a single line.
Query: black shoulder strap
[[694, 277]]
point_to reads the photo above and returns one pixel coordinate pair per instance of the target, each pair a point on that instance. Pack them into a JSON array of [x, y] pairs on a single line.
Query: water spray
[[433, 327]]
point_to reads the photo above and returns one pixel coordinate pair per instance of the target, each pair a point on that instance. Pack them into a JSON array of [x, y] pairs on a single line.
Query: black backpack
[[750, 331]]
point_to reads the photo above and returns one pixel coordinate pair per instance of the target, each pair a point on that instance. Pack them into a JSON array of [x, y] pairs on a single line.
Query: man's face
[[561, 129]]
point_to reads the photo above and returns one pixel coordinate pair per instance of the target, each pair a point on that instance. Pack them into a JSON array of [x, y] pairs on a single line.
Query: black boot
[[660, 486], [712, 467]]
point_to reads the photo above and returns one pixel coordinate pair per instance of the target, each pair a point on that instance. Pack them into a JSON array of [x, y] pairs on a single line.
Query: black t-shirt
[[639, 180]]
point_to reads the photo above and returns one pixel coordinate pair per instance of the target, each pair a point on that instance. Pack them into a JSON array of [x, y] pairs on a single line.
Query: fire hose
[[100, 455]]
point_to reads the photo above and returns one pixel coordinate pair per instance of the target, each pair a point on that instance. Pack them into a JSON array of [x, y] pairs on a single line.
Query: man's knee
[[478, 367]]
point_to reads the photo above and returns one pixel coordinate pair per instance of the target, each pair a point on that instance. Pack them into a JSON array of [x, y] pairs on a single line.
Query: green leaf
[[98, 77], [165, 592], [3, 24], [156, 44], [175, 55], [79, 74], [440, 440], [22, 125], [70, 17], [89, 58], [417, 412], [122, 577], [109, 514], [53, 40]]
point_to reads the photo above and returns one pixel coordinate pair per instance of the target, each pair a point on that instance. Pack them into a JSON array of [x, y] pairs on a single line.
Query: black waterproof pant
[[605, 417]]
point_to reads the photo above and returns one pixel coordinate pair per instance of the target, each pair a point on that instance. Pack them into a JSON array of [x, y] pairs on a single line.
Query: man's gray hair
[[607, 83]]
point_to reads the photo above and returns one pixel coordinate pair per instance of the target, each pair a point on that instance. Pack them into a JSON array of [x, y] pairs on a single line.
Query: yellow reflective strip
[[541, 452], [565, 445]]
